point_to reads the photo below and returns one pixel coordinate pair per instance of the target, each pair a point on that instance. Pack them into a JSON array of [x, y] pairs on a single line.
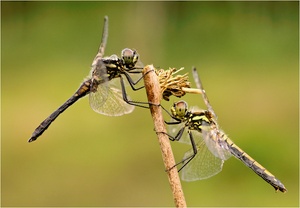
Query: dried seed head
[[172, 85]]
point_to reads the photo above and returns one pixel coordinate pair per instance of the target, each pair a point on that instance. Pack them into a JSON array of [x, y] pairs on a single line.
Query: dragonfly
[[106, 96], [210, 145]]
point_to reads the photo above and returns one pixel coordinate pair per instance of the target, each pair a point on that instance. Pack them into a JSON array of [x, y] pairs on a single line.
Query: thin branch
[[154, 96]]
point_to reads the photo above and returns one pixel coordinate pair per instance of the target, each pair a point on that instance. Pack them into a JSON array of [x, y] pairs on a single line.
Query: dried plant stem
[[154, 96], [191, 90]]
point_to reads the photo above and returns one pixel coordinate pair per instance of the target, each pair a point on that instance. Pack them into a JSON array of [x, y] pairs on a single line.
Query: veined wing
[[203, 165], [139, 64], [103, 43], [214, 140], [108, 99], [203, 93], [100, 85]]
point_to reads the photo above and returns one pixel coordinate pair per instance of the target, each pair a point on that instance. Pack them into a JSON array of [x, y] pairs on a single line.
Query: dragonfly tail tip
[[31, 139]]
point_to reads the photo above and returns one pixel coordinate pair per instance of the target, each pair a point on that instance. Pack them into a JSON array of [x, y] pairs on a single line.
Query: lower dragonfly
[[106, 97], [211, 146]]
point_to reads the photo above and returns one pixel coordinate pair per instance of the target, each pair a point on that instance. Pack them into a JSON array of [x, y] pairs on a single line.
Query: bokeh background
[[247, 54]]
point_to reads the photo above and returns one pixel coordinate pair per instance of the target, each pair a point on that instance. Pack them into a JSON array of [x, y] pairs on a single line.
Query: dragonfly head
[[179, 109], [130, 57]]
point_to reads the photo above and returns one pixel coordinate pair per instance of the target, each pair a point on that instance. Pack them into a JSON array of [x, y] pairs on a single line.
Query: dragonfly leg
[[132, 83], [132, 102], [130, 80], [173, 138], [178, 135], [185, 161], [177, 121], [170, 116]]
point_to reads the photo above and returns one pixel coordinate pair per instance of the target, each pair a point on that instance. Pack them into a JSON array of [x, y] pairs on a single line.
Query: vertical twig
[[154, 96]]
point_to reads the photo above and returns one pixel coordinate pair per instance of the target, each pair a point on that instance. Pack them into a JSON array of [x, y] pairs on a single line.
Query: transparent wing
[[203, 93], [98, 94], [195, 109], [214, 141], [203, 165], [139, 64], [108, 99], [98, 98]]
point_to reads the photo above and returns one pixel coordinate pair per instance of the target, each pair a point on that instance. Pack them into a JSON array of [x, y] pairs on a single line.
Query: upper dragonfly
[[105, 97], [211, 146]]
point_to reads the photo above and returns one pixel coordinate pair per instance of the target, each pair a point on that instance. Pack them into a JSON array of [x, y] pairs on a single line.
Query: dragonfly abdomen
[[254, 165], [83, 90]]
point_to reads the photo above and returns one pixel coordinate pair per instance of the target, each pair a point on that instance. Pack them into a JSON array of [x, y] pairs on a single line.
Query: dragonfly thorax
[[113, 62], [114, 66], [196, 120]]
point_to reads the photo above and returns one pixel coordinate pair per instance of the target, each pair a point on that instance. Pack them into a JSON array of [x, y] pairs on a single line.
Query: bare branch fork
[[154, 95]]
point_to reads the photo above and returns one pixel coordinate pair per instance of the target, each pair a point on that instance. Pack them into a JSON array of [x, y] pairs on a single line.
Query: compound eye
[[135, 57]]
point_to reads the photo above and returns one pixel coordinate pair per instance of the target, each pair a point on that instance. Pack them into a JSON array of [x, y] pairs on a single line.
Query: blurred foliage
[[247, 54]]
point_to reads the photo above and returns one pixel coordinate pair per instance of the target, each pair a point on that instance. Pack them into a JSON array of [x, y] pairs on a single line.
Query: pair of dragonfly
[[199, 128]]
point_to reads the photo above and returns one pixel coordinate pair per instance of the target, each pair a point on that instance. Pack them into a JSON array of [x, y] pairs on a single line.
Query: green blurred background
[[247, 54]]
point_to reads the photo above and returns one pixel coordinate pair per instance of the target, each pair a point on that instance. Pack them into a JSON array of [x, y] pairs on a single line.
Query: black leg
[[130, 80], [185, 161], [131, 102], [173, 138], [132, 83]]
